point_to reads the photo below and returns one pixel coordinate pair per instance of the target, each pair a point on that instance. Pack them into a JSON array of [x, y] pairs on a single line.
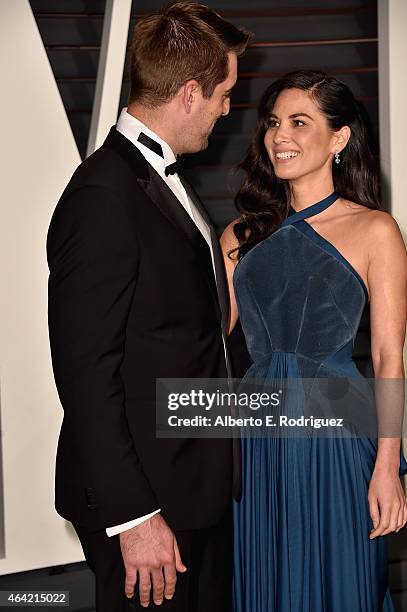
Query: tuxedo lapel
[[153, 185], [171, 207], [164, 199]]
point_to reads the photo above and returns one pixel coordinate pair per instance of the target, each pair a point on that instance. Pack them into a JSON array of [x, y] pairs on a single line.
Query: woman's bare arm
[[228, 242], [387, 280]]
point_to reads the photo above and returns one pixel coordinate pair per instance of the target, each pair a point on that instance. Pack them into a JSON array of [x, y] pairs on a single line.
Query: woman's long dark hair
[[263, 200]]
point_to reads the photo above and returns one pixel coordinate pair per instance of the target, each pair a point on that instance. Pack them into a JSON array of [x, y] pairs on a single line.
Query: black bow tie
[[153, 145], [176, 167]]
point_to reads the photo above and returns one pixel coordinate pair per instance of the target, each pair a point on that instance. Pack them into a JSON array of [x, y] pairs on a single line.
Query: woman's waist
[[341, 362]]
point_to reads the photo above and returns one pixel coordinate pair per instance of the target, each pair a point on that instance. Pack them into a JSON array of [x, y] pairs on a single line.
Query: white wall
[[393, 101], [37, 158], [38, 155], [392, 111]]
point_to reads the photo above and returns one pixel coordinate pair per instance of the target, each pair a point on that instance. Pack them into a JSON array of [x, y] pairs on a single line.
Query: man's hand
[[151, 550]]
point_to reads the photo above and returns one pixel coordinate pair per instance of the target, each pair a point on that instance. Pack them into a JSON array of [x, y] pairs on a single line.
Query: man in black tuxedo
[[137, 292]]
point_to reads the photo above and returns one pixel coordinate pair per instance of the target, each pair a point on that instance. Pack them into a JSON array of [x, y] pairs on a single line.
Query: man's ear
[[189, 93], [341, 138]]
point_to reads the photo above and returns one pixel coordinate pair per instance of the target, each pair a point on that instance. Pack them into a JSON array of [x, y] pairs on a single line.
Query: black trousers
[[205, 586]]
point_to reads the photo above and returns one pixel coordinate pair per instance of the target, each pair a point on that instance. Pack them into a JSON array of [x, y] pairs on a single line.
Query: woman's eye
[[273, 123], [299, 122]]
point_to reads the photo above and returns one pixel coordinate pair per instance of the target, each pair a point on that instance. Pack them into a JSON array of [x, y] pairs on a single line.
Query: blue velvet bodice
[[297, 294]]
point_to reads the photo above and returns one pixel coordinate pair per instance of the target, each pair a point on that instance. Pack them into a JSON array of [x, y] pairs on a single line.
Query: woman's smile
[[285, 156]]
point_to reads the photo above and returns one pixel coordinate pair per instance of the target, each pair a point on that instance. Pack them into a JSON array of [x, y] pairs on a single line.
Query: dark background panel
[[68, 6], [315, 57], [71, 29], [233, 6], [306, 27]]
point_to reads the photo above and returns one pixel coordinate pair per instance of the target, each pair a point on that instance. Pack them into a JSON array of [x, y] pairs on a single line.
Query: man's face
[[208, 110]]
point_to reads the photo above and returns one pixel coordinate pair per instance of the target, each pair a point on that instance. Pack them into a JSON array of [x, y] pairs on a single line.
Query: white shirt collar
[[131, 127]]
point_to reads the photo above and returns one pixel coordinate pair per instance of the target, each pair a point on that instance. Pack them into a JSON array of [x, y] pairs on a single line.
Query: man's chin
[[204, 144], [201, 146]]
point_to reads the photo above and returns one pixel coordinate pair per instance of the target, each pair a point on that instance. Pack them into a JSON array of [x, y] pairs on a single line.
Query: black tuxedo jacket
[[132, 297]]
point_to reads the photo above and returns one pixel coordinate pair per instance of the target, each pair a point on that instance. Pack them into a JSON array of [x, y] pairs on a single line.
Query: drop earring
[[337, 158]]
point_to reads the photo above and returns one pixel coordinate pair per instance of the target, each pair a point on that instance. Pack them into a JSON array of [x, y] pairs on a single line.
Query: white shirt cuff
[[111, 531]]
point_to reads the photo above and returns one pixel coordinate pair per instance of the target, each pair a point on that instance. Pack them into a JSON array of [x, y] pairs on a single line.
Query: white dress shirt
[[131, 128]]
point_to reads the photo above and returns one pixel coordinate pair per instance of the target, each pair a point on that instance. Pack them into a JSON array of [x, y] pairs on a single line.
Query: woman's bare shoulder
[[377, 230], [228, 238], [378, 223], [229, 243]]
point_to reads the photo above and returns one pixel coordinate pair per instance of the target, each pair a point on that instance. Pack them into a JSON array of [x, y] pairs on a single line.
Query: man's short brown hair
[[183, 41]]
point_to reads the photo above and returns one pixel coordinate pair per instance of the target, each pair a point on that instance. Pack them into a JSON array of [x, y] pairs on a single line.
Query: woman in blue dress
[[310, 248]]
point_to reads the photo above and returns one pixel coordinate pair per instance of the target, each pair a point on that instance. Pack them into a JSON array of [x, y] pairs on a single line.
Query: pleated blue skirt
[[301, 530]]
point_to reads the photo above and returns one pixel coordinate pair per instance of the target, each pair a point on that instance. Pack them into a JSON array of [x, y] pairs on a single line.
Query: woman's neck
[[306, 191]]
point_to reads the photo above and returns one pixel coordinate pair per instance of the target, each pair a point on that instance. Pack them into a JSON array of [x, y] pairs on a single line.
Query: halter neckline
[[310, 211]]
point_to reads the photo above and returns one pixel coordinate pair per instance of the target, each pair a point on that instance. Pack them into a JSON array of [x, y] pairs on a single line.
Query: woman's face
[[299, 140]]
